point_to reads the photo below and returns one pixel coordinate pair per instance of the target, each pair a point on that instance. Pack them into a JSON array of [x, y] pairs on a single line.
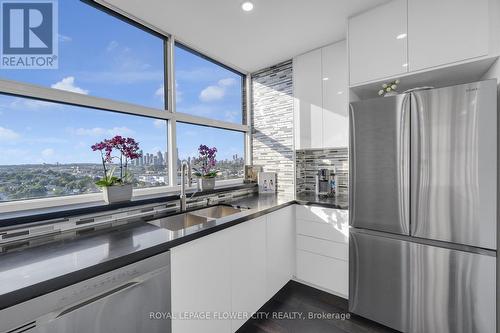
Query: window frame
[[168, 113]]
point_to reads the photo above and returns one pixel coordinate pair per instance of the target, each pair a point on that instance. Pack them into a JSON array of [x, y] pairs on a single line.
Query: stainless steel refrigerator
[[423, 209]]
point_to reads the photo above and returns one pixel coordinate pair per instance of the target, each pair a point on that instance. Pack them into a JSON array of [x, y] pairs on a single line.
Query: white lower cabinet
[[201, 283], [233, 271], [322, 271], [248, 269], [280, 248], [322, 248]]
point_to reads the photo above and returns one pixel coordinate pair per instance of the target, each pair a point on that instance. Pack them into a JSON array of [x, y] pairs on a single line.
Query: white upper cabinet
[[378, 42], [406, 36], [446, 31], [321, 97], [308, 100], [335, 95]]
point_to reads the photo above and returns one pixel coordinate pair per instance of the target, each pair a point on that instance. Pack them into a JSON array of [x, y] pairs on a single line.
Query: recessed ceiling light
[[325, 79], [401, 36], [247, 6], [405, 65]]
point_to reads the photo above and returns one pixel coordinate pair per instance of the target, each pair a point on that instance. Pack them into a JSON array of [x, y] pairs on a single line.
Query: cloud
[[158, 123], [63, 38], [216, 92], [48, 152], [227, 82], [7, 134], [101, 132], [112, 46], [232, 116], [68, 84], [160, 92], [122, 76], [212, 93], [28, 103], [178, 93]]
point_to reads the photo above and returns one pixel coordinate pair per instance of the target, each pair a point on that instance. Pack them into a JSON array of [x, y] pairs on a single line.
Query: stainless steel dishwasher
[[132, 299]]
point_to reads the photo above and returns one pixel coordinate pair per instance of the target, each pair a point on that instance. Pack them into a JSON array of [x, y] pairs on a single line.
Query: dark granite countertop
[[32, 272], [307, 198]]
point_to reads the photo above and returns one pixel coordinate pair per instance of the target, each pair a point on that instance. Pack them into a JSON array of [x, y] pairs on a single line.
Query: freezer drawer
[[379, 164], [378, 279], [454, 164], [451, 291]]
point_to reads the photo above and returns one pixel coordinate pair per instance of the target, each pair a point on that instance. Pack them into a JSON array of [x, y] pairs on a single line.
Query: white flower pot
[[206, 184], [117, 193]]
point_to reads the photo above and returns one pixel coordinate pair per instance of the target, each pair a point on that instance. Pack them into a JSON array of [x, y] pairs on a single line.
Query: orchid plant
[[127, 148], [205, 163]]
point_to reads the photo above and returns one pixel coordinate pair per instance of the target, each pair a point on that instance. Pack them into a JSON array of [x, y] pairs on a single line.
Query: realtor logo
[[29, 34]]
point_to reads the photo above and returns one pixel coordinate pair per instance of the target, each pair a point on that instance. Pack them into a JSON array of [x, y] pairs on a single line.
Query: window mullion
[[172, 124]]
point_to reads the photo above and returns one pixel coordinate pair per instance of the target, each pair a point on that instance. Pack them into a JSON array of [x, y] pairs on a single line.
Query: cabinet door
[[446, 31], [335, 95], [201, 280], [378, 43], [280, 249], [248, 268], [308, 100]]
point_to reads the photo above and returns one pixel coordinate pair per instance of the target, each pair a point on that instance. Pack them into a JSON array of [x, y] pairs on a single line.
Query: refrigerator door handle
[[404, 165], [352, 162]]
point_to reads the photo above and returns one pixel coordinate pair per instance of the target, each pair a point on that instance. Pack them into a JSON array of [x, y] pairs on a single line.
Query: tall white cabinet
[[308, 100], [321, 97], [335, 130]]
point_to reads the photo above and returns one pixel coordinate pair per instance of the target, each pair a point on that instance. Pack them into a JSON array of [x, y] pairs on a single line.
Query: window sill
[[27, 211]]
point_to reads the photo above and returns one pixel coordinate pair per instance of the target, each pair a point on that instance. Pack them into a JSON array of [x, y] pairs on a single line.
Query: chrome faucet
[[185, 169]]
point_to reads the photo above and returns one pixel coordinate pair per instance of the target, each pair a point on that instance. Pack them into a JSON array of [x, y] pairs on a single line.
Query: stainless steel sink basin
[[178, 222], [216, 212], [197, 217]]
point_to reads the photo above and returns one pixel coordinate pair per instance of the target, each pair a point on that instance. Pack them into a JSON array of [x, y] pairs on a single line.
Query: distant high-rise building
[[159, 155]]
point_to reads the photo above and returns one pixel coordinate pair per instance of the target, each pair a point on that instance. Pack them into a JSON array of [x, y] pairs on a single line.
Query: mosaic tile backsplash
[[272, 123], [310, 161]]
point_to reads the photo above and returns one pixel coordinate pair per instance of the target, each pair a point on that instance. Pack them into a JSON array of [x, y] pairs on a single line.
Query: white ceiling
[[276, 30]]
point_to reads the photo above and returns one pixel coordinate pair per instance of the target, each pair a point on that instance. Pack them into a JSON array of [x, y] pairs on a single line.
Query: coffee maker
[[326, 183], [323, 182]]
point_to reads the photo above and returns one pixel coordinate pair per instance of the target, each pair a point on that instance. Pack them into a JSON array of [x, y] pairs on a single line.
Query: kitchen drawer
[[320, 246], [328, 273], [322, 214], [328, 231]]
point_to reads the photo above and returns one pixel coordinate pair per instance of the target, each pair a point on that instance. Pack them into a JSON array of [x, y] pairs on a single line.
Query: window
[[207, 89], [46, 148], [101, 55], [46, 135], [230, 148]]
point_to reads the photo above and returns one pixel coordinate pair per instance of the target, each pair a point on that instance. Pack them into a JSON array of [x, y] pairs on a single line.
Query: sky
[[102, 56]]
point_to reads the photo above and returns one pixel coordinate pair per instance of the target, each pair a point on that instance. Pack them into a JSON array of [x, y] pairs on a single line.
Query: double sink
[[197, 217]]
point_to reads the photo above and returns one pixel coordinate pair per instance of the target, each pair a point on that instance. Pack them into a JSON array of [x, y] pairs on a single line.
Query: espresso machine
[[326, 183]]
